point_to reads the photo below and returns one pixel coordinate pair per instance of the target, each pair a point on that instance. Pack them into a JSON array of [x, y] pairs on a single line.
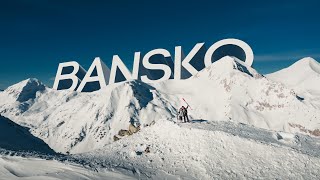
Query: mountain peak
[[25, 90], [226, 65], [302, 75], [303, 67], [307, 63]]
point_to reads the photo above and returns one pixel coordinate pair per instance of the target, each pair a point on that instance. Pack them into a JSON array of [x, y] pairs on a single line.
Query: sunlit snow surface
[[33, 168], [244, 126], [197, 150]]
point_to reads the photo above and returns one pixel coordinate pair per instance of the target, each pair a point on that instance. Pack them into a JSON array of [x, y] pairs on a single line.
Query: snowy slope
[[197, 150], [244, 126], [25, 90], [228, 90], [80, 122], [35, 168], [206, 151], [304, 75]]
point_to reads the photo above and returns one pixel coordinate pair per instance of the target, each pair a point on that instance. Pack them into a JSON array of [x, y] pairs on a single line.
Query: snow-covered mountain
[[226, 91], [304, 75], [237, 114], [25, 90]]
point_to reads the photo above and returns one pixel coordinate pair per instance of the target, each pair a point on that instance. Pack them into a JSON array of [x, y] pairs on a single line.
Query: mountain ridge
[[303, 75], [228, 90]]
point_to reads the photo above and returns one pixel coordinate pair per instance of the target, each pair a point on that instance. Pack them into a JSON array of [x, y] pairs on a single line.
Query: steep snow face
[[79, 122], [304, 75], [19, 97], [227, 90], [25, 90]]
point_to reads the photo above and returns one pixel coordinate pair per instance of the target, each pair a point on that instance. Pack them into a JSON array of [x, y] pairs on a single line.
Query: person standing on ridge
[[184, 111], [179, 115]]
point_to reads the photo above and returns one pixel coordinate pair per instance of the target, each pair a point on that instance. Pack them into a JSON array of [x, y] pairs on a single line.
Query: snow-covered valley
[[245, 125]]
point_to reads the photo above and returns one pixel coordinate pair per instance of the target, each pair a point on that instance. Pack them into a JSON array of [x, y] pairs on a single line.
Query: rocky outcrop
[[131, 130]]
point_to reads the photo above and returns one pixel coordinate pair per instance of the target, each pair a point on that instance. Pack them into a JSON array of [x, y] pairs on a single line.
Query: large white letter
[[103, 74], [166, 69], [186, 62], [72, 75], [117, 63], [244, 46]]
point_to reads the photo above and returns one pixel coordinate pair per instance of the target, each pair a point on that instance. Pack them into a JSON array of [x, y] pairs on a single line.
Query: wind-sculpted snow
[[72, 122]]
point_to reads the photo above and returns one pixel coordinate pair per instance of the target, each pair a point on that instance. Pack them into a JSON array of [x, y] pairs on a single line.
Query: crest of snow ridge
[[303, 76], [25, 90], [227, 65]]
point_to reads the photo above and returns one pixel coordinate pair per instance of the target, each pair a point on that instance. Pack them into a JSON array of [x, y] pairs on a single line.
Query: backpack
[[184, 111], [180, 113]]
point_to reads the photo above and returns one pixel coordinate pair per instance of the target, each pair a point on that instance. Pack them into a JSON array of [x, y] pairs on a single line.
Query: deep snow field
[[244, 126]]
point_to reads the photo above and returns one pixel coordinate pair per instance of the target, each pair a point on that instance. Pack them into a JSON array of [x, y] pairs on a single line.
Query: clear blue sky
[[36, 35]]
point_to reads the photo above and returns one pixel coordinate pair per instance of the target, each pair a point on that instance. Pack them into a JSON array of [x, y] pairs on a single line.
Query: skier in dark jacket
[[184, 111]]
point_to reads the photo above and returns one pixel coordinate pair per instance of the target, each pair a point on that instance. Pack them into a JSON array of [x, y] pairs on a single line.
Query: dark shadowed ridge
[[18, 138]]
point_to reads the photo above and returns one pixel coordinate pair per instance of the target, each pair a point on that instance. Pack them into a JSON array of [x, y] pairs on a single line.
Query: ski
[[186, 103]]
